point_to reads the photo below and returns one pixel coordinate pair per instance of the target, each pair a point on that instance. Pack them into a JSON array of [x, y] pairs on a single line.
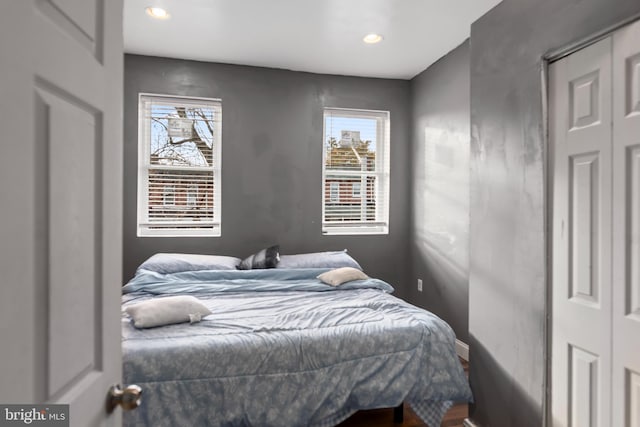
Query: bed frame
[[398, 414]]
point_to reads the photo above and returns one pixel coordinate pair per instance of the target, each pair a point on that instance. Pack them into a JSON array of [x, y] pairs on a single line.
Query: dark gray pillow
[[266, 258]]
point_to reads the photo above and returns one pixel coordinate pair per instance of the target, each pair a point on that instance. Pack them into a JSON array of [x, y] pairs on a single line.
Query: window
[[179, 188], [192, 196], [355, 172], [356, 189], [334, 192], [169, 196]]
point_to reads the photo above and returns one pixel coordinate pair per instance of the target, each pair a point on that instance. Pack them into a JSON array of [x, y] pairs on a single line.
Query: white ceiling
[[319, 36]]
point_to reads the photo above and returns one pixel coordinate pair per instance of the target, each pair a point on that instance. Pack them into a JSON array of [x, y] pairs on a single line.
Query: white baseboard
[[468, 423], [462, 350]]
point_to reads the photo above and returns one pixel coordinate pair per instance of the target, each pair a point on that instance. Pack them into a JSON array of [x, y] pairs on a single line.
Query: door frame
[[548, 58]]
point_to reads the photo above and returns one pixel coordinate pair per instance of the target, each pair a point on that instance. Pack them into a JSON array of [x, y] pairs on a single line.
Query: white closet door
[[626, 227], [580, 112]]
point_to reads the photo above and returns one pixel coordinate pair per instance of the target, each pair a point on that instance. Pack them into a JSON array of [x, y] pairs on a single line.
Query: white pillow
[[166, 311], [342, 275]]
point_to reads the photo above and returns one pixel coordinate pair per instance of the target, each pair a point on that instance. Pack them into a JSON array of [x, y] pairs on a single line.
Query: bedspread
[[282, 349]]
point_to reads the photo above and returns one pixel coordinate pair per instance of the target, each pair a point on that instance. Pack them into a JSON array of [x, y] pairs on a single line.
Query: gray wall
[[507, 231], [272, 160], [440, 189]]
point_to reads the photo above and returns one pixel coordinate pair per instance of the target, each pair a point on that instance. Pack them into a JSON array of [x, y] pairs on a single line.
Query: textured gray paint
[[440, 189], [507, 230], [272, 160]]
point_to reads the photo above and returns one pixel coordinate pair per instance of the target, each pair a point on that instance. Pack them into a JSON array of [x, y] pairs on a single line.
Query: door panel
[[632, 82], [61, 186], [626, 229], [633, 243], [81, 20], [583, 217], [580, 112], [584, 390], [73, 191], [584, 100], [81, 13], [632, 415]]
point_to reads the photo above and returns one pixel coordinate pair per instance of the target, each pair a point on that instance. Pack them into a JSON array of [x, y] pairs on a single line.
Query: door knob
[[128, 399]]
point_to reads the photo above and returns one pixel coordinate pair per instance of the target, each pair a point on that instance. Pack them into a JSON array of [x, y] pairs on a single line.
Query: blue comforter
[[283, 349]]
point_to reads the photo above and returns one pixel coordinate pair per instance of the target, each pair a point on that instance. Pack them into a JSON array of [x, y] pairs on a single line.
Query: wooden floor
[[384, 417]]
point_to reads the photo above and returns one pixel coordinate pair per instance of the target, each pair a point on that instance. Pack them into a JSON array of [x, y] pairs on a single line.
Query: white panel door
[[580, 131], [626, 227], [60, 192]]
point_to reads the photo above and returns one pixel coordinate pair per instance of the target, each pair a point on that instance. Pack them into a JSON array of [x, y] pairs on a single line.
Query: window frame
[[180, 229], [382, 174]]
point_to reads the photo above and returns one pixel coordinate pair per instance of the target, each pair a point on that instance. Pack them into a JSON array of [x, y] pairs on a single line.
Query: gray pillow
[[167, 311], [342, 275], [175, 263], [266, 258], [333, 259]]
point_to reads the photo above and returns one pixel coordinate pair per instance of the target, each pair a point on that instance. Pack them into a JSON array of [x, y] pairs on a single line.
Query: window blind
[[355, 172], [179, 186]]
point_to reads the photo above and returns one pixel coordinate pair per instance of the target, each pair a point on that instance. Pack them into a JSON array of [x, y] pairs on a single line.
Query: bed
[[282, 348]]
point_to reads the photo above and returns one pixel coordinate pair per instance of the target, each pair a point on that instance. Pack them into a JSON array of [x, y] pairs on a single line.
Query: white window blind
[[355, 172], [179, 147]]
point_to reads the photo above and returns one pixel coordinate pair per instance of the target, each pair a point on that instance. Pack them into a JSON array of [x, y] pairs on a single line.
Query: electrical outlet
[[419, 285]]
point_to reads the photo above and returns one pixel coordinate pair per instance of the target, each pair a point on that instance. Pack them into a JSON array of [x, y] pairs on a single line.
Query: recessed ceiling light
[[157, 12], [372, 38]]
